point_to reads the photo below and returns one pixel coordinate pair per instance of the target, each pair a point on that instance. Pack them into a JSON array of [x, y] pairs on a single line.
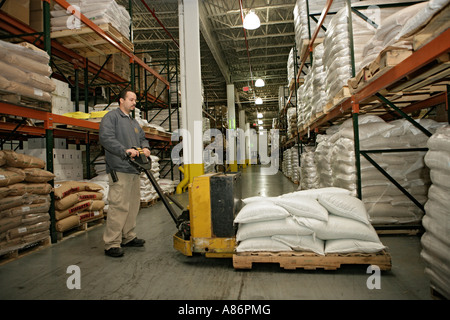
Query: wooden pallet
[[150, 130], [385, 61], [87, 43], [24, 250], [146, 204], [311, 261], [343, 94], [436, 295], [23, 101], [412, 229]]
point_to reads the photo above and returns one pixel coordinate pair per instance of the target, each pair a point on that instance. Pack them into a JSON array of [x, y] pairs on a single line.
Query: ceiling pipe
[[160, 23]]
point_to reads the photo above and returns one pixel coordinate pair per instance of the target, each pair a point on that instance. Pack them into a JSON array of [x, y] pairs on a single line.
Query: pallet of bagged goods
[[310, 229], [25, 78], [111, 18], [77, 203]]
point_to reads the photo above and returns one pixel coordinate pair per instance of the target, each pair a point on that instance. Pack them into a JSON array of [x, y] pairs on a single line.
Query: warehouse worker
[[119, 133]]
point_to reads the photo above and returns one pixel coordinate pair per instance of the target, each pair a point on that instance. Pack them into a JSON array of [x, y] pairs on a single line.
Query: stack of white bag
[[304, 24], [295, 173], [323, 221], [323, 161], [148, 192], [290, 66], [308, 170], [25, 71], [98, 11], [435, 241], [397, 29], [385, 203], [287, 163], [291, 119], [337, 52]]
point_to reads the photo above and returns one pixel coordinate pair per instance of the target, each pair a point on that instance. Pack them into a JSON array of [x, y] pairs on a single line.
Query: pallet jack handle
[[144, 164]]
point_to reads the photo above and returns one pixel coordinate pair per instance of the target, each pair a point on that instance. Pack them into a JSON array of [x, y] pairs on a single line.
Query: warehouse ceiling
[[224, 55]]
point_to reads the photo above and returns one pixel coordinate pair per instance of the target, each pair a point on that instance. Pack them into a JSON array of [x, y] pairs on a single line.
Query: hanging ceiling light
[[251, 21], [258, 101], [260, 83]]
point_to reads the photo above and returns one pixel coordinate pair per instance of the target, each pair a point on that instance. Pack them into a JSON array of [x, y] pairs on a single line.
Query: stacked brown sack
[[24, 200], [77, 202], [25, 71]]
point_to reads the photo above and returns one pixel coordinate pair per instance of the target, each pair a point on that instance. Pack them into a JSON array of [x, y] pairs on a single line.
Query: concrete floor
[[159, 272]]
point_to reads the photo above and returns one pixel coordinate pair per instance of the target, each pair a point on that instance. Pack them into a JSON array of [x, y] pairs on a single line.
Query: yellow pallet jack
[[206, 226]]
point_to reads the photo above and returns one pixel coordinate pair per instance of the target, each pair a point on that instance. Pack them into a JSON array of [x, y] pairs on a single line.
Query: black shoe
[[134, 243], [114, 252]]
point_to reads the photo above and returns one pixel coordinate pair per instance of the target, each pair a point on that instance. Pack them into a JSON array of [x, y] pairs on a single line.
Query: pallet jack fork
[[144, 164]]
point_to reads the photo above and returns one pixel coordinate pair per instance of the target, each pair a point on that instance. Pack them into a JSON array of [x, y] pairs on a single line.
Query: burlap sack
[[19, 160], [33, 218], [72, 199], [2, 154], [65, 188], [10, 175], [4, 192], [22, 188], [7, 223], [90, 215], [67, 223], [26, 209], [38, 175], [10, 202], [25, 230], [87, 205]]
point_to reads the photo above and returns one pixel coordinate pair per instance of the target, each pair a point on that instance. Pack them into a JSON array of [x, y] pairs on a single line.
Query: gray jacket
[[119, 132]]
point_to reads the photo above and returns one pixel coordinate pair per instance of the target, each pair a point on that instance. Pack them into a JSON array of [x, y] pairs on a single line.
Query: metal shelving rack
[[82, 131], [357, 102]]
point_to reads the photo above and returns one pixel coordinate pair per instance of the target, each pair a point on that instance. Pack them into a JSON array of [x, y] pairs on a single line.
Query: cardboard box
[[39, 143], [119, 64], [19, 9], [62, 89]]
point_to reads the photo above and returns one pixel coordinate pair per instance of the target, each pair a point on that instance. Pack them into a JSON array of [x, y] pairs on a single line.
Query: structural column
[[191, 91], [231, 132], [242, 150]]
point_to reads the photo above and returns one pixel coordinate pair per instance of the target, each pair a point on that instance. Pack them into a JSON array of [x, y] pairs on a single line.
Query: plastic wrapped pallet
[[290, 66], [308, 170], [25, 71], [435, 241], [337, 53], [385, 203], [295, 168], [396, 29], [24, 209], [323, 161]]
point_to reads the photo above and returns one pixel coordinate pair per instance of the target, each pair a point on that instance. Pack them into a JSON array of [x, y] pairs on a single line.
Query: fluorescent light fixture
[[260, 122], [251, 21], [260, 83], [259, 115], [258, 101]]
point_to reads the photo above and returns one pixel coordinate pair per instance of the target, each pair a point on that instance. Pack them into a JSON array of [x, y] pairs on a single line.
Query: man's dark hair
[[123, 94]]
